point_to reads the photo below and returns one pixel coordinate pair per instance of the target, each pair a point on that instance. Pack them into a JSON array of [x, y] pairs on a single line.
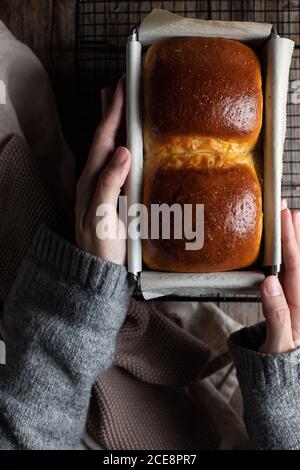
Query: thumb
[[279, 337]]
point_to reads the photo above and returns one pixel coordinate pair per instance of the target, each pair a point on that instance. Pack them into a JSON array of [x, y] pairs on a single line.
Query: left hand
[[100, 185], [281, 297]]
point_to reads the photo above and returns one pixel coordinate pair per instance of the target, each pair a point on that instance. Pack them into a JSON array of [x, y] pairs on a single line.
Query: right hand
[[281, 297]]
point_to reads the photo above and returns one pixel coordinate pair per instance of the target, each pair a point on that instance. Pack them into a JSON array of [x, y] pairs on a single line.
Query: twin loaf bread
[[202, 120]]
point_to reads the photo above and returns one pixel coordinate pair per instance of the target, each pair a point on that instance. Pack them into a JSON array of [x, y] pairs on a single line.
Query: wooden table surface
[[48, 27]]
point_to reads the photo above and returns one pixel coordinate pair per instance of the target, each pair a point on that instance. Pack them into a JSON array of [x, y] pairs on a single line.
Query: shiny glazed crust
[[202, 119]]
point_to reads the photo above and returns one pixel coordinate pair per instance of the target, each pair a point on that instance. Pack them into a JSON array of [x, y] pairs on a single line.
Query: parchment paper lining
[[277, 54]]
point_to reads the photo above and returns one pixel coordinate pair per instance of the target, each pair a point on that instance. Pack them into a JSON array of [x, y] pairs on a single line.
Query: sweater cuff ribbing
[[76, 265], [259, 370]]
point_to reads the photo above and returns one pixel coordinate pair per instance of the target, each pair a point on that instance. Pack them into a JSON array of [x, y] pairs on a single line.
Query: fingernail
[[284, 204], [121, 155], [272, 286], [297, 217]]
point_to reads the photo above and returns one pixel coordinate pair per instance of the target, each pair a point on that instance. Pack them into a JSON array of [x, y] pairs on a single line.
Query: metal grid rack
[[101, 34]]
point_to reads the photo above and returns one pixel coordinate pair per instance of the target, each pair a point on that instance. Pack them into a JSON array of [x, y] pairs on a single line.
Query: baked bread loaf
[[202, 119]]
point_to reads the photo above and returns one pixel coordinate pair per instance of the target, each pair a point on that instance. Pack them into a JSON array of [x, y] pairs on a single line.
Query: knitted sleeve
[[270, 385], [60, 321]]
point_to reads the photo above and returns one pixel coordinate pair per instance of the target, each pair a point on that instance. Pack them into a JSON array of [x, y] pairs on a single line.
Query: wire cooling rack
[[101, 35]]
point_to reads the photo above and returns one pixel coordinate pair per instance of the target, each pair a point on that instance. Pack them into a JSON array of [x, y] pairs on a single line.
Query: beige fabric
[[30, 112], [218, 391], [155, 396], [141, 402], [212, 326]]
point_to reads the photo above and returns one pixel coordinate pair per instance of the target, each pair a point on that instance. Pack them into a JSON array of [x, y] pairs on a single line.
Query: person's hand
[[101, 182], [281, 297]]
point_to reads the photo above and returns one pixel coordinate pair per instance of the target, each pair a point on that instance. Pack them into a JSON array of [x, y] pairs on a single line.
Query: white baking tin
[[277, 54]]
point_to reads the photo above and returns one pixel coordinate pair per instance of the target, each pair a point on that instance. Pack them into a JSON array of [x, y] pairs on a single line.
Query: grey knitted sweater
[[61, 320]]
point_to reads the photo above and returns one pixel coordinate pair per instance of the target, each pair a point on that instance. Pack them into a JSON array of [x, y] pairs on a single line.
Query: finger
[[112, 179], [290, 250], [296, 223], [102, 148], [291, 274], [279, 337], [104, 141], [283, 204], [106, 99]]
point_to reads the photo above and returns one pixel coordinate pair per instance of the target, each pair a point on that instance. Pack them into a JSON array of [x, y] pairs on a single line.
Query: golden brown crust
[[232, 217], [208, 87], [202, 119]]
